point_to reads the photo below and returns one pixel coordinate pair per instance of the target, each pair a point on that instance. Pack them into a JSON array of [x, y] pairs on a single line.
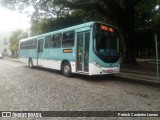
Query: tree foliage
[[14, 40], [51, 24]]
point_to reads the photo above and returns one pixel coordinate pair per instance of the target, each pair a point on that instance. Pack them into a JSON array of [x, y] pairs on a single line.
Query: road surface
[[24, 89]]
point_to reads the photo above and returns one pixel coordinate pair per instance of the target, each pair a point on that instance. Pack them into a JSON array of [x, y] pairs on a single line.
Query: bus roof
[[62, 30]]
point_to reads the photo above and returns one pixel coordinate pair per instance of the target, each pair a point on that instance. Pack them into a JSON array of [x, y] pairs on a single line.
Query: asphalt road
[[24, 89]]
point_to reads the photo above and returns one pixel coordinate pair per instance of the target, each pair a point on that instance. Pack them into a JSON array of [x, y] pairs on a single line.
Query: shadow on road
[[98, 78]]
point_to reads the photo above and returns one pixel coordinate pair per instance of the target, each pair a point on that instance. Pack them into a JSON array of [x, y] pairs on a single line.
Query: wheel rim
[[66, 70]]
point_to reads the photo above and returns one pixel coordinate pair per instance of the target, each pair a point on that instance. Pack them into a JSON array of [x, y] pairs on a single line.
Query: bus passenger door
[[40, 52], [83, 51]]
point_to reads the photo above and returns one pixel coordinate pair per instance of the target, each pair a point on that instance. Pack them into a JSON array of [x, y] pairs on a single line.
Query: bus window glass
[[34, 43], [68, 39], [48, 42], [105, 42], [56, 41], [31, 44], [40, 46]]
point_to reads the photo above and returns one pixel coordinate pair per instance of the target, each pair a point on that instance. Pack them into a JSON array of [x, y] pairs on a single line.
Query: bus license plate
[[110, 71]]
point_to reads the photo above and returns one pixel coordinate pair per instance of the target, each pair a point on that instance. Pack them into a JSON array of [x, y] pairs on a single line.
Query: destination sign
[[103, 27], [67, 50]]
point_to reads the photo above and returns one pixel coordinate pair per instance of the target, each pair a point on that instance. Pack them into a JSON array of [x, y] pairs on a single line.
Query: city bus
[[90, 48]]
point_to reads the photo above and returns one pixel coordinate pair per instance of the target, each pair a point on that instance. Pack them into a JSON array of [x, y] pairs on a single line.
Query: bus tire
[[30, 63], [66, 69]]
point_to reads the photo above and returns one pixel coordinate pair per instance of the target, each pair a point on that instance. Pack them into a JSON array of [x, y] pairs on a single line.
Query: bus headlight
[[96, 64]]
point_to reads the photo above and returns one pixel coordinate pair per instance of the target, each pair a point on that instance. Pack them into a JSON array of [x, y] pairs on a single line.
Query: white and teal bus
[[91, 48]]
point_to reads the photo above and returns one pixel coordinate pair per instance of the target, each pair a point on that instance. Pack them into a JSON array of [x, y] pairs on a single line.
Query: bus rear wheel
[[66, 69], [30, 63]]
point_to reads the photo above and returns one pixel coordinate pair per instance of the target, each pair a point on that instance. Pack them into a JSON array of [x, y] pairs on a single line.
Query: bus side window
[[48, 42], [68, 39], [40, 46], [35, 43], [56, 41]]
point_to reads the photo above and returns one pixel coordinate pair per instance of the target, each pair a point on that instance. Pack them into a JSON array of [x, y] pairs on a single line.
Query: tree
[[64, 20], [47, 25], [14, 41], [42, 8], [147, 22]]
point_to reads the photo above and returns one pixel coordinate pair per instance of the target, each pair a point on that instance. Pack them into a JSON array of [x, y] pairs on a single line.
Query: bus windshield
[[106, 42]]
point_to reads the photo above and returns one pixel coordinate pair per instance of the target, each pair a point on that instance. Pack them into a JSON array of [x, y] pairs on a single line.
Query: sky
[[12, 20]]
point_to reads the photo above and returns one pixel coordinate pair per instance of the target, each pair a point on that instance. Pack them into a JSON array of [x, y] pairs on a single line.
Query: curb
[[138, 72], [140, 80], [15, 60]]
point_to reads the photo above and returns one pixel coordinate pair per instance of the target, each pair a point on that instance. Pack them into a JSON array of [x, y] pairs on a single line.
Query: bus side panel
[[52, 58], [52, 64], [24, 56], [24, 60], [56, 65], [34, 62]]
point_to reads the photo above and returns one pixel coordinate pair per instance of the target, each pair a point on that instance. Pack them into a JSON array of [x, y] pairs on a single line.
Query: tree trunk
[[128, 35]]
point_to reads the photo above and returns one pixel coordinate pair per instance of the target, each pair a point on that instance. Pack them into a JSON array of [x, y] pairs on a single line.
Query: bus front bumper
[[97, 70]]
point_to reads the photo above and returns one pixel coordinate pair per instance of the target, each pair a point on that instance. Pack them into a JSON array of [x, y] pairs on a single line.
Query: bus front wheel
[[66, 69], [30, 63]]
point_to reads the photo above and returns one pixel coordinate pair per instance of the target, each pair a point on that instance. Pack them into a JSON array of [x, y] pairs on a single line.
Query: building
[[4, 43]]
